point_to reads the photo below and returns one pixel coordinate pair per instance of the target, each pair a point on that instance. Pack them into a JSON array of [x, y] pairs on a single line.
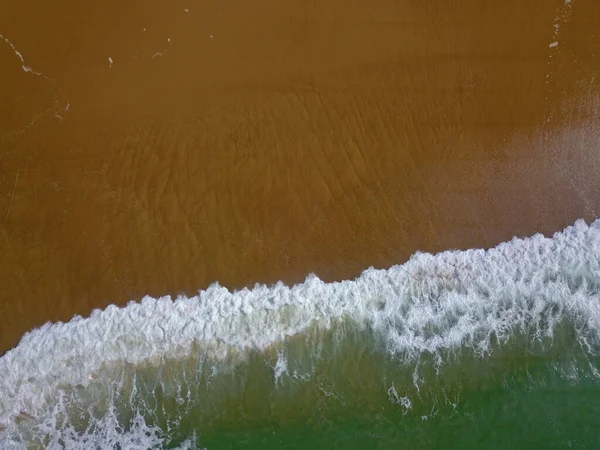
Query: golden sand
[[155, 147]]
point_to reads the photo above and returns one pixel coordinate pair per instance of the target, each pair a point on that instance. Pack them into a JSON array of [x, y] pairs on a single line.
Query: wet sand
[[154, 150]]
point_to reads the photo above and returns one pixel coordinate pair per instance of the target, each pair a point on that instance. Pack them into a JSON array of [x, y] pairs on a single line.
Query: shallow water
[[455, 349]]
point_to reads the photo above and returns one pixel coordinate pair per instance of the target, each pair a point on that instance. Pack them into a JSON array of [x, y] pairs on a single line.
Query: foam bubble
[[430, 305]]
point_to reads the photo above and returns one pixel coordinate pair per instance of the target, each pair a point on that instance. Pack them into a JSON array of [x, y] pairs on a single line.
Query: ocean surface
[[468, 349], [151, 148]]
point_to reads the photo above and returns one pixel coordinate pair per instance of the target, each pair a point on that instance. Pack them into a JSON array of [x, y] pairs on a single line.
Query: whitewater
[[433, 308]]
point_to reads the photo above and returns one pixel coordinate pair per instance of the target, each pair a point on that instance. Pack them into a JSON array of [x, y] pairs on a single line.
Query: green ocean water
[[343, 390], [355, 396], [481, 349]]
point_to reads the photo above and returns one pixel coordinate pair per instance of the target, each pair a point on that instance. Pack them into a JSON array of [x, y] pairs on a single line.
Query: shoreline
[[426, 310], [263, 144], [450, 268]]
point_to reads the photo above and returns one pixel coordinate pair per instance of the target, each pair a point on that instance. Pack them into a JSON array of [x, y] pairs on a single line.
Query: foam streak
[[431, 305], [57, 107]]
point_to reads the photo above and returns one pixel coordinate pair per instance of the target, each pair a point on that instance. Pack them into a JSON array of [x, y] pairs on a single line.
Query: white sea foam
[[431, 304], [394, 397]]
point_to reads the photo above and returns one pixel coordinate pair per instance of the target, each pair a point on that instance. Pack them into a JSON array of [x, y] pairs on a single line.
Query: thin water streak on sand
[[20, 56], [27, 69], [12, 197]]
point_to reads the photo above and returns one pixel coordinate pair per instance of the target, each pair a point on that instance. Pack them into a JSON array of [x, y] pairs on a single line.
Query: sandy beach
[[158, 147]]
